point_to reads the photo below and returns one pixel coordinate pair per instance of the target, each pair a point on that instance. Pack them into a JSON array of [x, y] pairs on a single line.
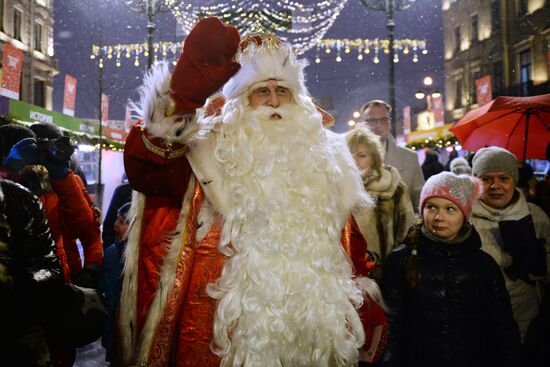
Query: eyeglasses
[[377, 121]]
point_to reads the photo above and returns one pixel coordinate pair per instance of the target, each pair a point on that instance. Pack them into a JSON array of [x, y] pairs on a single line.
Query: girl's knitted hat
[[462, 190]]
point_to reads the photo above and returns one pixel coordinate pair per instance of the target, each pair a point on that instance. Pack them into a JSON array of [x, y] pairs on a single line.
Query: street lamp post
[[428, 92], [150, 8], [389, 7]]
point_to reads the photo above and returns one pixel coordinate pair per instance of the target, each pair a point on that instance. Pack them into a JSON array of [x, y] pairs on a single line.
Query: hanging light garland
[[302, 25], [373, 47], [359, 47], [135, 51]]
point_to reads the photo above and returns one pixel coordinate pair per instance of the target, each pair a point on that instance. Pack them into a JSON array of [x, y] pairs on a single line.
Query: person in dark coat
[[431, 165], [30, 277], [448, 305], [110, 279]]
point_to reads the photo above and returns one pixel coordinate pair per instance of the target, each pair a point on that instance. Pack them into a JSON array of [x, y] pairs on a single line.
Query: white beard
[[286, 295]]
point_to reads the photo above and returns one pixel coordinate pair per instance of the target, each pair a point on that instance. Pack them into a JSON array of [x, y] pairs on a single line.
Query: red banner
[[484, 93], [11, 71], [406, 119], [104, 109], [69, 97], [437, 108]]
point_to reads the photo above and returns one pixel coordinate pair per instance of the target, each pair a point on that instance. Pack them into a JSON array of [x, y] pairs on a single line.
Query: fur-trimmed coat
[[172, 251], [386, 223]]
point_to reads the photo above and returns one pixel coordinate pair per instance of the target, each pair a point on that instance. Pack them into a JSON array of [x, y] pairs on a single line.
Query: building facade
[[28, 25], [508, 40]]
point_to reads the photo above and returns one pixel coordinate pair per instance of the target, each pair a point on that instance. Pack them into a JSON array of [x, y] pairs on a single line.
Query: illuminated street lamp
[[427, 92]]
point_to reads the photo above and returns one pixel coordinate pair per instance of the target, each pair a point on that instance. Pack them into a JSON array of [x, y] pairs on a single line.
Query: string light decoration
[[301, 25], [362, 48], [135, 51], [446, 141], [359, 47]]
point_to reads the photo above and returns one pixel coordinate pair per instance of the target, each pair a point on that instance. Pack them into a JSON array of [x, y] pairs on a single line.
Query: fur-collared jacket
[[385, 224], [523, 294]]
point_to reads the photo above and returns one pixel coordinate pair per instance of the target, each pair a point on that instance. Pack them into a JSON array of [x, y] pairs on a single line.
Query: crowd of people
[[248, 234]]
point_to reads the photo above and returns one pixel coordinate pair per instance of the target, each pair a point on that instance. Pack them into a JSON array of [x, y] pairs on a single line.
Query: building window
[[458, 93], [457, 39], [38, 37], [474, 28], [495, 16], [39, 93], [522, 7], [17, 21], [525, 71]]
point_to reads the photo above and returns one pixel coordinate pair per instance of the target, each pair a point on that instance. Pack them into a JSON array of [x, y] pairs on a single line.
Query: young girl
[[448, 305]]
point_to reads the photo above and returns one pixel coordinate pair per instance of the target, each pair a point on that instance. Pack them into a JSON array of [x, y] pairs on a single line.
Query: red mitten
[[206, 63]]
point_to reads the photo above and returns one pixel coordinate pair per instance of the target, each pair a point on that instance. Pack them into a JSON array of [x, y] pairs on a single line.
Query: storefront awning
[[27, 112]]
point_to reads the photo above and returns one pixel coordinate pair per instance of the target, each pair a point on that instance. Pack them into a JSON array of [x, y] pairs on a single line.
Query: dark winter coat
[[110, 286], [431, 165], [30, 274], [459, 314]]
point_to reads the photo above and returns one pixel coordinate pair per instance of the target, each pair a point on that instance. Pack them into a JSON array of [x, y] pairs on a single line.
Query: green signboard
[[27, 112]]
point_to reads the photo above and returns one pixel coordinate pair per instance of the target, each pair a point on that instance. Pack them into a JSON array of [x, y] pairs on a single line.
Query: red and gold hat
[[263, 57]]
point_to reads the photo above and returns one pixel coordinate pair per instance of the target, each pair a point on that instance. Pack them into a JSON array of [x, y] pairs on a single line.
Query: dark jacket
[[431, 165], [121, 196], [110, 286], [30, 273], [459, 314]]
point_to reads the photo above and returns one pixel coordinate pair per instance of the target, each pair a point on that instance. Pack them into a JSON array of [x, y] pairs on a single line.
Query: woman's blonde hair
[[363, 135]]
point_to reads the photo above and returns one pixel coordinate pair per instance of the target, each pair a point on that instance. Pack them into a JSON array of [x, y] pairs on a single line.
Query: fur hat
[[11, 134], [462, 190], [460, 166], [495, 159], [264, 57]]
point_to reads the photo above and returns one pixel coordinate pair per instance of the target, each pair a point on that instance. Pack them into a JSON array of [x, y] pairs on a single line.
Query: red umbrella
[[519, 124]]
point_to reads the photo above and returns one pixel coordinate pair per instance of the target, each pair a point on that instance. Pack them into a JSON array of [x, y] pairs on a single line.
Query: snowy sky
[[350, 83]]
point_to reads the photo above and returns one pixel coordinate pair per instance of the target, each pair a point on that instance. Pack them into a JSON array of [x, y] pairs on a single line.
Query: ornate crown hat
[[262, 57]]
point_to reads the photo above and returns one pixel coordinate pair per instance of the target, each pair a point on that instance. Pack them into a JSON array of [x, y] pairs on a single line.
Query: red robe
[[183, 332]]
